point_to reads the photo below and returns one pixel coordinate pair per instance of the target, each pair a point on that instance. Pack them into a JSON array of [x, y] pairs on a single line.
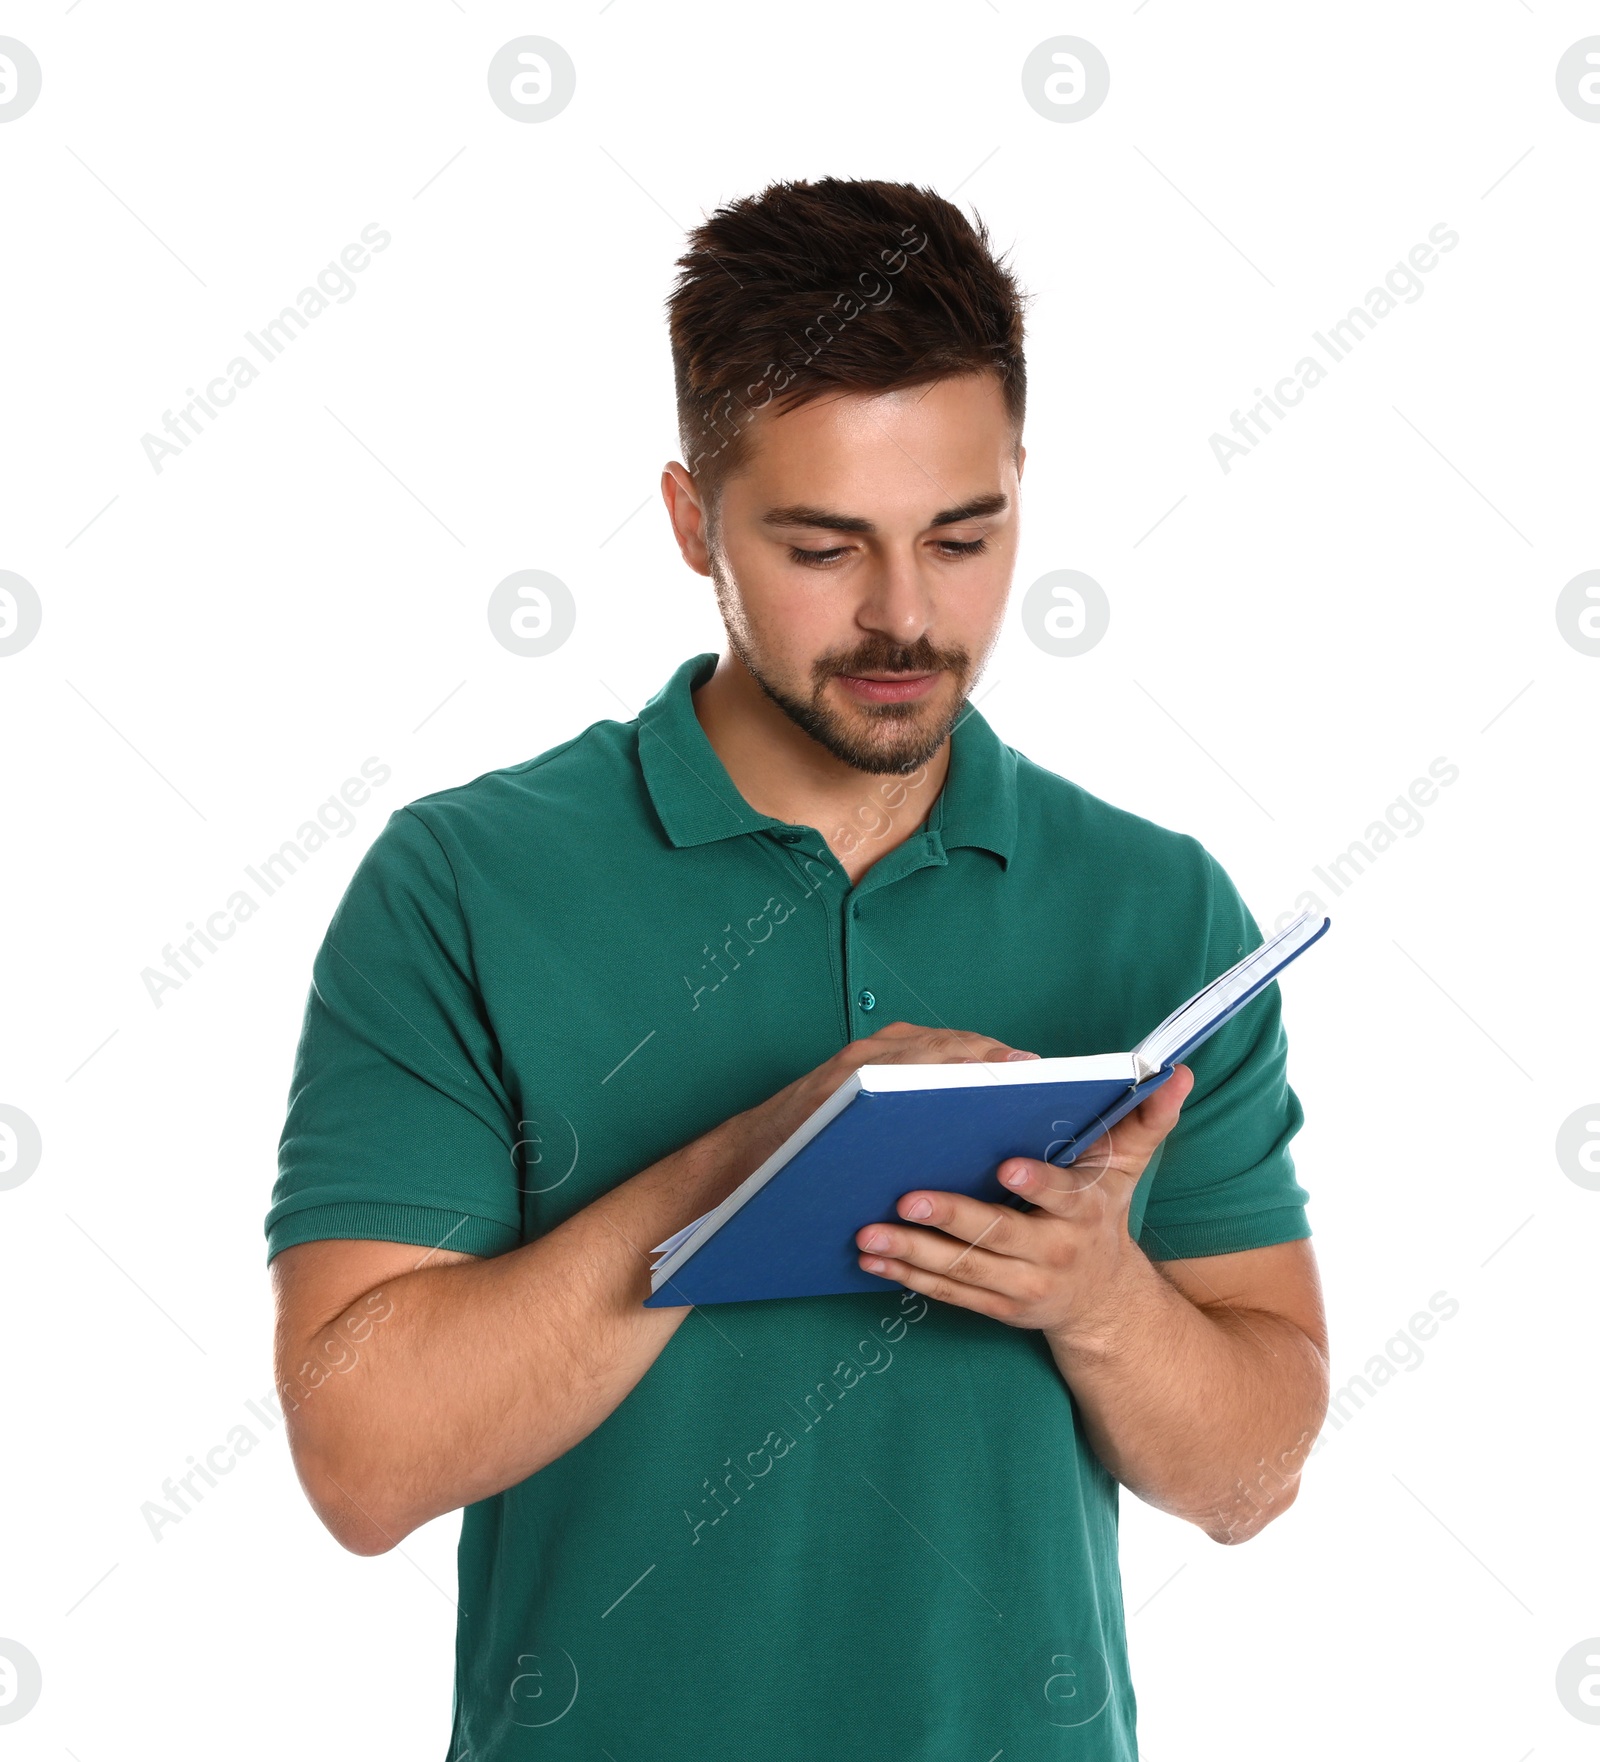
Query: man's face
[[862, 556]]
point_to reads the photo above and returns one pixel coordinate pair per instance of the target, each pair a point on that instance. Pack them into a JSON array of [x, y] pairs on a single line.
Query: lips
[[895, 688]]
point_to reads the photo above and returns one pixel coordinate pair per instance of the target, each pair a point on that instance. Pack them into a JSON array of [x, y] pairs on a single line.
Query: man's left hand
[[1056, 1267]]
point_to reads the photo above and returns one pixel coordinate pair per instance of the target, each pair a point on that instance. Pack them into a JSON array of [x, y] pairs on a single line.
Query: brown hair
[[842, 284]]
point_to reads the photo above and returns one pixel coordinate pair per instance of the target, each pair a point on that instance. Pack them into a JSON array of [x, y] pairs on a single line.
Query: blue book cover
[[789, 1229]]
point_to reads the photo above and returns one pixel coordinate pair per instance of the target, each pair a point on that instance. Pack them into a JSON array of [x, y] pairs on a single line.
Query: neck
[[781, 771]]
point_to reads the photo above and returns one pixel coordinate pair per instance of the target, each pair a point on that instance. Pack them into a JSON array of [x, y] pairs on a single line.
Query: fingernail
[[1017, 1178], [1011, 1057], [875, 1240], [919, 1208]]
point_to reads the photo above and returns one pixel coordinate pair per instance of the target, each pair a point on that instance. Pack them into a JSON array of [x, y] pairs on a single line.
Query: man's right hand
[[896, 1043]]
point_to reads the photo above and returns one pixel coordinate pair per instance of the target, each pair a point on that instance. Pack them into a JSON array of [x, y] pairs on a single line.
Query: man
[[566, 1008]]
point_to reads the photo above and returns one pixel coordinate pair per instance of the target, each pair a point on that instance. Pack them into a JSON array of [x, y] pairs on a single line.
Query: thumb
[[1156, 1115], [1127, 1148]]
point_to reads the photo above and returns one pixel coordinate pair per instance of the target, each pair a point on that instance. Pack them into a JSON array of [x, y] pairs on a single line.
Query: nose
[[896, 603]]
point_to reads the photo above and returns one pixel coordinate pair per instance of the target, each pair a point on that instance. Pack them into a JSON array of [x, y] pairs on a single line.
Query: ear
[[687, 513]]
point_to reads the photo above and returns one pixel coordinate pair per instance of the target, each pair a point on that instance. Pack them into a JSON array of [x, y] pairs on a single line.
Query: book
[[789, 1229]]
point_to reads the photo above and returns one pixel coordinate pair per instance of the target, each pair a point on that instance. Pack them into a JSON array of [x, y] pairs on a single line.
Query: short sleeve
[[398, 1126], [1225, 1180]]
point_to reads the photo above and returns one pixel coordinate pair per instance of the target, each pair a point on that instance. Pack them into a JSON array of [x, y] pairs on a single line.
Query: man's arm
[[1204, 1388], [453, 1377], [1202, 1383], [417, 1382]]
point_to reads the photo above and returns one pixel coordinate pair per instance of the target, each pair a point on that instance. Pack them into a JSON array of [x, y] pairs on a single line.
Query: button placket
[[862, 999], [918, 853]]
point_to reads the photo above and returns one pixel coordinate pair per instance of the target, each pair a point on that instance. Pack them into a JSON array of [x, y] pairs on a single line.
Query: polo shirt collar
[[978, 804], [693, 794], [696, 802]]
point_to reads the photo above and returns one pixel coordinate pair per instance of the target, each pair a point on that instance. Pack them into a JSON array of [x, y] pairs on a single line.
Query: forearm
[[474, 1375], [1205, 1411], [481, 1372]]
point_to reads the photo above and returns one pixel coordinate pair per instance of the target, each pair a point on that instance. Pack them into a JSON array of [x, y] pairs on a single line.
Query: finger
[[1120, 1156], [957, 1046], [998, 1227], [1140, 1132], [962, 1263], [903, 1043], [1063, 1192], [977, 1298]]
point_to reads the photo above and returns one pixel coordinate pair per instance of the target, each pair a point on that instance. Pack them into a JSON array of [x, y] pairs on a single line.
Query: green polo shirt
[[836, 1527]]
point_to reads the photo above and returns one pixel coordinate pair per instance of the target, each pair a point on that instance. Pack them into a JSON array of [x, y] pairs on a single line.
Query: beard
[[883, 739]]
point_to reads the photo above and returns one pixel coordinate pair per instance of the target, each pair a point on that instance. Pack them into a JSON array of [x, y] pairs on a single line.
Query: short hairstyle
[[843, 285]]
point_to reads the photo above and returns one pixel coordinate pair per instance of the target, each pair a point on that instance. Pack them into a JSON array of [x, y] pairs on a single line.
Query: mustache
[[882, 655]]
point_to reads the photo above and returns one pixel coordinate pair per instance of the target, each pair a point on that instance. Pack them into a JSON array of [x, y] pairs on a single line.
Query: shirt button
[[866, 1001], [855, 908], [788, 838]]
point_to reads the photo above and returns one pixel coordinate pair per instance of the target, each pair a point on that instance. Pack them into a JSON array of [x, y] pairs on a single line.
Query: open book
[[789, 1230]]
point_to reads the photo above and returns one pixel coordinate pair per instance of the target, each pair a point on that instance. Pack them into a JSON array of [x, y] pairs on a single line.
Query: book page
[[1209, 1006]]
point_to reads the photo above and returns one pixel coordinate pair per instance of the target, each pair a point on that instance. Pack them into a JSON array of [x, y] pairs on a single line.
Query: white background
[[224, 642]]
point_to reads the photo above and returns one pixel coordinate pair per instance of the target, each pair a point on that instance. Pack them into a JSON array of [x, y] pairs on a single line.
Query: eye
[[971, 547], [816, 559]]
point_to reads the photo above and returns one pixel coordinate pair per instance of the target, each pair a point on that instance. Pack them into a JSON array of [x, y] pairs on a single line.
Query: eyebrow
[[803, 514]]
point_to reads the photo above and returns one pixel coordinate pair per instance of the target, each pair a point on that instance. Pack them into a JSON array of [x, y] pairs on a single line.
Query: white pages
[[1218, 998]]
